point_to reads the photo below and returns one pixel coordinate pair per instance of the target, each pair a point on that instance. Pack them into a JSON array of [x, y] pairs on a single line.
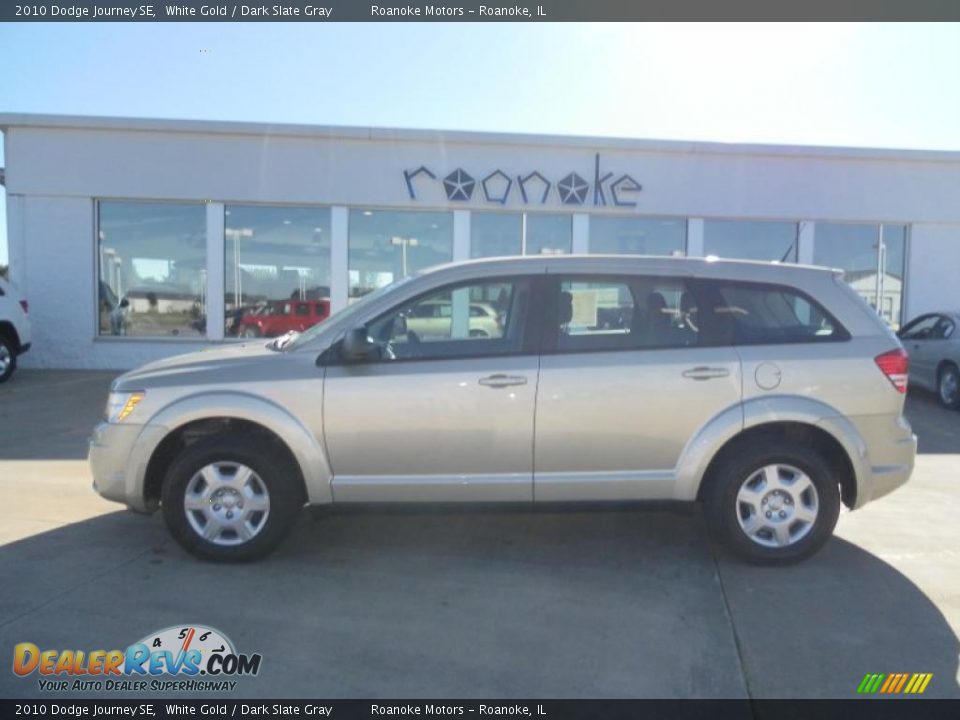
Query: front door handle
[[703, 372], [499, 380]]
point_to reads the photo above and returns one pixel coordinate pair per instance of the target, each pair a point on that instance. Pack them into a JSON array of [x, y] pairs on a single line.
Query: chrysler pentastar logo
[[573, 189], [459, 185]]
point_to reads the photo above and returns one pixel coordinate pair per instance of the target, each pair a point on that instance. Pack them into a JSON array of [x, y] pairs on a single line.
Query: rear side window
[[754, 314], [625, 313]]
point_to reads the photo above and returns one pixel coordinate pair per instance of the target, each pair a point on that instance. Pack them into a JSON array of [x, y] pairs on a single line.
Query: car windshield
[[357, 307]]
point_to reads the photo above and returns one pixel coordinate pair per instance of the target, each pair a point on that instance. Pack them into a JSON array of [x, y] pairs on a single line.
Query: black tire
[[250, 332], [947, 373], [9, 352], [275, 471], [741, 463]]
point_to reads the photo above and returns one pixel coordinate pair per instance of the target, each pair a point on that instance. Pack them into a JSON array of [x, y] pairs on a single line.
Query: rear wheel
[[8, 359], [948, 386], [231, 498], [773, 501]]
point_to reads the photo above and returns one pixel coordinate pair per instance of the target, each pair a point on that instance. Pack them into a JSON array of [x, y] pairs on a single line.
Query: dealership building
[[136, 239]]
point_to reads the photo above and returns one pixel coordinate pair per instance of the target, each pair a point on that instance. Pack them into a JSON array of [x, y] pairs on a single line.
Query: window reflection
[[495, 234], [871, 257], [152, 264], [638, 236], [548, 234], [275, 255], [385, 246], [750, 240]]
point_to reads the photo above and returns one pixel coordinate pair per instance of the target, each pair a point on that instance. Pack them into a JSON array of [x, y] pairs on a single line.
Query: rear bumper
[[891, 453]]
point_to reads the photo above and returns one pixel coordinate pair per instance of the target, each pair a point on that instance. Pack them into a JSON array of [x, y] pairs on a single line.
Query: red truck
[[282, 316]]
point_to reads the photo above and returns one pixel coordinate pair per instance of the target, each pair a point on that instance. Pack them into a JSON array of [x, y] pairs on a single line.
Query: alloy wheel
[[226, 503], [777, 505]]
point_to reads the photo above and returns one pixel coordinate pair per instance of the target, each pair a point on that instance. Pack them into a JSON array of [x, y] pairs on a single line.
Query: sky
[[873, 85]]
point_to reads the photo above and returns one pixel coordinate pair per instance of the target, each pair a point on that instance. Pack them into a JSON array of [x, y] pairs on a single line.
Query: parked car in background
[[771, 393], [282, 316], [15, 331], [933, 342], [433, 320]]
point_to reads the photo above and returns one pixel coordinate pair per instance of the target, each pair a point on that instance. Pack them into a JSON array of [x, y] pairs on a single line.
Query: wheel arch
[[199, 416], [805, 419]]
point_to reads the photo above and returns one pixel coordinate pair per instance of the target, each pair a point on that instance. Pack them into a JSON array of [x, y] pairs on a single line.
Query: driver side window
[[475, 318]]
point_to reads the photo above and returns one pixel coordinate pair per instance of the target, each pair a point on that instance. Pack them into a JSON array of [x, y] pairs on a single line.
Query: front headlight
[[120, 405]]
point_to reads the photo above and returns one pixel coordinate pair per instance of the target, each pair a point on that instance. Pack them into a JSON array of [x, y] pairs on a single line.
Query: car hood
[[221, 363]]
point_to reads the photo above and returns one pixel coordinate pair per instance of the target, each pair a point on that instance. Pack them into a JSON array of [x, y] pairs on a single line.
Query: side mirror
[[357, 344]]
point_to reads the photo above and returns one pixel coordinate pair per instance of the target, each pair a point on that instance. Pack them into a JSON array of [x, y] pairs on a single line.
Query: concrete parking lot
[[621, 601]]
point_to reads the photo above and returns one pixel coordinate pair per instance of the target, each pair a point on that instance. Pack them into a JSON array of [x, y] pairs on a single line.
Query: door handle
[[705, 373], [500, 380]]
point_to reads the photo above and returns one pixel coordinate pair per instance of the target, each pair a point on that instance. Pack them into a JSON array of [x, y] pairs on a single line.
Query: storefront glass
[[750, 240], [638, 236], [273, 255], [386, 245], [872, 258], [152, 265]]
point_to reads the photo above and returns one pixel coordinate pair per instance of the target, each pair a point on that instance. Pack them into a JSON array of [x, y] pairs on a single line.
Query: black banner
[[876, 709], [419, 11]]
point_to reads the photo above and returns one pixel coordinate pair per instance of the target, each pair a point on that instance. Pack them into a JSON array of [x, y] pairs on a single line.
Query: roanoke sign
[[530, 188]]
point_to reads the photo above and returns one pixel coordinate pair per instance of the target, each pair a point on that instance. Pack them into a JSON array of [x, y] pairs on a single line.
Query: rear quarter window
[[755, 314]]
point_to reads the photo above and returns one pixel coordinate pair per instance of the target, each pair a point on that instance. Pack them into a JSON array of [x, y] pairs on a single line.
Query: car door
[[440, 417], [619, 400], [918, 338]]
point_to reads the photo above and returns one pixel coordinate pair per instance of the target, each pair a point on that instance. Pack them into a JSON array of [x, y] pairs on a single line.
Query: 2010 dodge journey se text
[[771, 393]]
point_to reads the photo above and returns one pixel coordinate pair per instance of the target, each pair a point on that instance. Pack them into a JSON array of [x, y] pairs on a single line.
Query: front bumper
[[118, 457]]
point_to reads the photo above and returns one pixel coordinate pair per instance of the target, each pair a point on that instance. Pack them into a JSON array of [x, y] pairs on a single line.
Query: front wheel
[[773, 502], [231, 498], [250, 331], [948, 387]]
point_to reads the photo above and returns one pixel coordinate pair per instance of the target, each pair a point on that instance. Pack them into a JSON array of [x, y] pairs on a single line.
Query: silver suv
[[771, 393]]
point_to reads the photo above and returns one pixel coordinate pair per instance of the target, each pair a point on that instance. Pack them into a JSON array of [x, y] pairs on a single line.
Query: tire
[[802, 487], [8, 359], [250, 331], [948, 387], [255, 530]]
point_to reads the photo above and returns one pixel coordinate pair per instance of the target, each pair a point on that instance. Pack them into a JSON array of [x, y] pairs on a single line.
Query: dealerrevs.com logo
[[200, 658]]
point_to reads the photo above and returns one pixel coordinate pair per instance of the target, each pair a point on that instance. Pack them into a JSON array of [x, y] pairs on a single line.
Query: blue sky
[[864, 85]]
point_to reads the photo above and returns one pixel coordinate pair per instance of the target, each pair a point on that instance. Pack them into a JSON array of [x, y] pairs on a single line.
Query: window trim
[[529, 341], [549, 343], [841, 334]]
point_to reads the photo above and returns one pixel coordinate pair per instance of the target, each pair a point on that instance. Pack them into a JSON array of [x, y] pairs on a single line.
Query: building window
[[505, 234], [638, 236], [495, 234], [750, 240], [153, 259], [548, 234], [273, 255], [872, 258], [386, 245]]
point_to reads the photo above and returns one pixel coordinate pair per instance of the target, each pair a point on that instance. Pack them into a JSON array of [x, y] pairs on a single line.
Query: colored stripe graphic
[[894, 683]]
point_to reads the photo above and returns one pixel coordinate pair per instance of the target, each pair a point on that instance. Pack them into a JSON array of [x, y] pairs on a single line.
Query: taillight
[[894, 365], [25, 306]]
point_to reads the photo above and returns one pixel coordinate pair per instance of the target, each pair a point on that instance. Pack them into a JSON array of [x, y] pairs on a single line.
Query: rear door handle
[[705, 373], [500, 380]]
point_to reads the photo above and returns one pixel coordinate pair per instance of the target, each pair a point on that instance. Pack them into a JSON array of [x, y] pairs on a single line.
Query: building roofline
[[83, 122]]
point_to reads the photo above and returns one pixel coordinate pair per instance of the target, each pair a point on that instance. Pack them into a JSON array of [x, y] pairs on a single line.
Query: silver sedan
[[933, 342]]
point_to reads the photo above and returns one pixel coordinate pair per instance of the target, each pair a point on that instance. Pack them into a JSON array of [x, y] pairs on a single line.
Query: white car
[[14, 329]]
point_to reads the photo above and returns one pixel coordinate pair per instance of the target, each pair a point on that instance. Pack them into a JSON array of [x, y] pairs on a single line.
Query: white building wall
[[933, 269], [55, 174]]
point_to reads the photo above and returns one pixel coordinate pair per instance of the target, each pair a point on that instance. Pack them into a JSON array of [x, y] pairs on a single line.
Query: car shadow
[[560, 602]]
